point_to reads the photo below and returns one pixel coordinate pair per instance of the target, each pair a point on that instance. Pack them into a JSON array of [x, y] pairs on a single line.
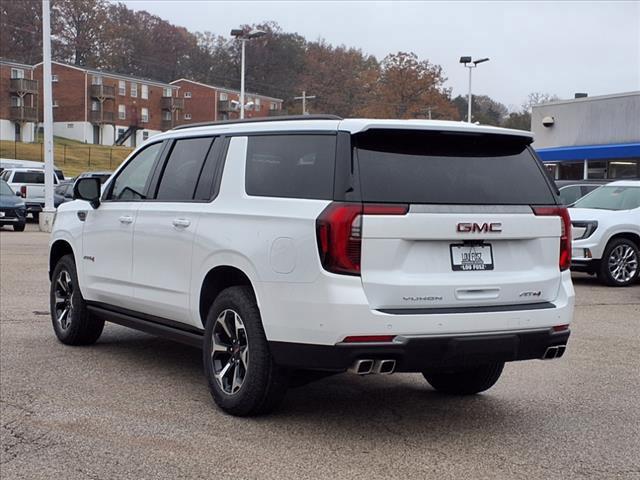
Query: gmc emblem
[[468, 227]]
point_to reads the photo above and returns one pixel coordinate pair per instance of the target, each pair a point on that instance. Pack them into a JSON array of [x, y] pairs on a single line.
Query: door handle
[[126, 219], [181, 222]]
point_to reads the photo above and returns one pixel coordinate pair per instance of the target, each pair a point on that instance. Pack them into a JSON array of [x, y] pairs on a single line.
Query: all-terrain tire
[[77, 326], [263, 383]]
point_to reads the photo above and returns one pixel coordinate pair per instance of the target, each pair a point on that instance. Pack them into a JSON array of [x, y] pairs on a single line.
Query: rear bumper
[[420, 353], [587, 265], [34, 207]]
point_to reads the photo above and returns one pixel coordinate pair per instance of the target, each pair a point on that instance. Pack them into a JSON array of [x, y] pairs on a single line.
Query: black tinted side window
[[182, 170], [132, 181], [291, 166]]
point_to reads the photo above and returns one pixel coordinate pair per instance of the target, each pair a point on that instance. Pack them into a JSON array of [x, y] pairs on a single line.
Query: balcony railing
[[24, 114], [172, 103], [101, 116], [103, 91], [24, 85], [224, 106], [167, 124]]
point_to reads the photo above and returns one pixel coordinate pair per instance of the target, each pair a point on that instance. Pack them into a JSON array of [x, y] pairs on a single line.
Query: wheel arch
[[634, 237], [59, 249], [215, 281]]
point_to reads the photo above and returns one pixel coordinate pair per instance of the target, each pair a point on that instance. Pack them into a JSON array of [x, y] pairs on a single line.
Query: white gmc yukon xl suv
[[295, 248]]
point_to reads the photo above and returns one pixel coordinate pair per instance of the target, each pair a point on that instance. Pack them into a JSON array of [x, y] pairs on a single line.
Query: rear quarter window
[[28, 177], [291, 166], [449, 168]]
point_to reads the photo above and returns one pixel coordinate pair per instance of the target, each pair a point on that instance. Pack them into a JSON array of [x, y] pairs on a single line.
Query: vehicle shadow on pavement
[[343, 401]]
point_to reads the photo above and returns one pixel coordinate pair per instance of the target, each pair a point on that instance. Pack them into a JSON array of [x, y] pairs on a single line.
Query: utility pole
[[304, 99], [48, 214]]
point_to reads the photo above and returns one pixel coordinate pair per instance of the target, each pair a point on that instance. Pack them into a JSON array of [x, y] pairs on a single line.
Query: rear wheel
[[243, 378], [72, 323], [465, 381], [619, 264]]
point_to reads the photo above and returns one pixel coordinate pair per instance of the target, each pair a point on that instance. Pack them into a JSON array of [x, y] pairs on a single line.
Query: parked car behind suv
[[572, 190], [12, 208], [29, 182], [607, 233], [294, 248]]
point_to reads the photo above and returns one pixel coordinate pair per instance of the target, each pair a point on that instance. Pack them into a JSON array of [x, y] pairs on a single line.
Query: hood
[[11, 201], [593, 213]]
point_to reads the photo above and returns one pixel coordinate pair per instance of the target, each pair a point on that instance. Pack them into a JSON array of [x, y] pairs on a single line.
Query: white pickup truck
[[29, 182]]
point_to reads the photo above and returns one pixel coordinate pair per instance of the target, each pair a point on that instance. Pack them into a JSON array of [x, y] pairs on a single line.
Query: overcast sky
[[554, 47]]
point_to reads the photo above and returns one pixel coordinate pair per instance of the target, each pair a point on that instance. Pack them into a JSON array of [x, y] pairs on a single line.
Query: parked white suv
[[606, 224], [29, 183], [295, 248]]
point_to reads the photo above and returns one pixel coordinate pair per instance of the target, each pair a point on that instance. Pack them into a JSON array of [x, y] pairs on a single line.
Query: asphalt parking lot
[[134, 406]]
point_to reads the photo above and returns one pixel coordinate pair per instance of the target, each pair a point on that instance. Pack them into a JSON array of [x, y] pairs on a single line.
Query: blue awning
[[589, 152]]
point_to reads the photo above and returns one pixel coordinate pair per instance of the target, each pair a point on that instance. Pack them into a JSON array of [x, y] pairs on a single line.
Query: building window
[[258, 106], [145, 135], [96, 80], [187, 94], [121, 131], [223, 97], [69, 125], [134, 89], [95, 106], [166, 115], [144, 115], [17, 73], [187, 116], [122, 112], [54, 78], [273, 106], [144, 91], [167, 92], [54, 103], [122, 87], [16, 101]]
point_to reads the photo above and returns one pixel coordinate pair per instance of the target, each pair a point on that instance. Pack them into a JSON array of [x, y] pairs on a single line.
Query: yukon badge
[[470, 227]]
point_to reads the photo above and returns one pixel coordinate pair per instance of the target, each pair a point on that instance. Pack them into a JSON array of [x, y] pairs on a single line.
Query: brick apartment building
[[209, 103], [94, 106], [19, 101]]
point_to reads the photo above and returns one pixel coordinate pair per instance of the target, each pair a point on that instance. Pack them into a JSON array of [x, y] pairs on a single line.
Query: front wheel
[[72, 323], [18, 227], [619, 264], [467, 381], [243, 378]]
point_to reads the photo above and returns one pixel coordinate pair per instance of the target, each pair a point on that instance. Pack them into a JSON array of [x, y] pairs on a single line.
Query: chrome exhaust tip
[[554, 352], [384, 367], [362, 367]]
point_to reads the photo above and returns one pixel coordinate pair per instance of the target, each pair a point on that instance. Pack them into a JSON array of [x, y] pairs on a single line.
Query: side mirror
[[88, 189]]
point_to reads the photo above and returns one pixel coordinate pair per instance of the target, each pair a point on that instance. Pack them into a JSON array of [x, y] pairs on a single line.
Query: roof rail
[[281, 118]]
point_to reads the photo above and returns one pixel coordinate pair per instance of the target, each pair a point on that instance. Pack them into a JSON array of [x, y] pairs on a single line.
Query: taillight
[[339, 233], [23, 191], [565, 236]]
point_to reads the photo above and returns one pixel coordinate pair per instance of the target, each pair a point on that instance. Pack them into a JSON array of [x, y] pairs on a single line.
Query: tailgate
[[439, 256]]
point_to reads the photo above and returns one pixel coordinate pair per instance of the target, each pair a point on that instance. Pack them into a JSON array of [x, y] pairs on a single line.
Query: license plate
[[468, 257]]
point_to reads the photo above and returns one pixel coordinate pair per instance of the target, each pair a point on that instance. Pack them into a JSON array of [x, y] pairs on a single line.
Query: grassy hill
[[71, 156]]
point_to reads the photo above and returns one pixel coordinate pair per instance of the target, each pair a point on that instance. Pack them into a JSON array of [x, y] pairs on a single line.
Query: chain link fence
[[71, 158]]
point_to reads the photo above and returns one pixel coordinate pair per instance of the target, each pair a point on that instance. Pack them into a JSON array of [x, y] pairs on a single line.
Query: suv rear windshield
[[449, 168], [28, 177]]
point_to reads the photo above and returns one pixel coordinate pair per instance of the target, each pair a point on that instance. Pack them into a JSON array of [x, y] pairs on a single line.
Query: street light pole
[[469, 98], [48, 213], [468, 63], [244, 41], [243, 36]]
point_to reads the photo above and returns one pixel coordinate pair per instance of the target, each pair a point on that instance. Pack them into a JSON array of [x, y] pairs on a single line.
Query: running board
[[154, 327]]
